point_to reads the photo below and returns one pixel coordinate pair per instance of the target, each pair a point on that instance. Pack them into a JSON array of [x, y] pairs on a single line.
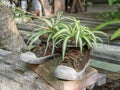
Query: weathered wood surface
[[105, 65], [46, 71], [108, 53], [15, 75]]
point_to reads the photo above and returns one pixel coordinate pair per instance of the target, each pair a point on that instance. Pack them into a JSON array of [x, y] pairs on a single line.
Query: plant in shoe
[[43, 35], [45, 32], [73, 40], [77, 42]]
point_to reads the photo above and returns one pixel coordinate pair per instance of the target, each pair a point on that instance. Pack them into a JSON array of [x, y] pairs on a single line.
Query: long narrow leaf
[[36, 37], [77, 37], [48, 22], [80, 44], [88, 41], [48, 39], [64, 46], [32, 41], [100, 32], [53, 46], [58, 33], [116, 21], [116, 34], [99, 39]]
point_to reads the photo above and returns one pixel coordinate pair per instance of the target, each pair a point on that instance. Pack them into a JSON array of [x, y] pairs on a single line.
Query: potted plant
[[74, 41], [43, 34], [75, 59]]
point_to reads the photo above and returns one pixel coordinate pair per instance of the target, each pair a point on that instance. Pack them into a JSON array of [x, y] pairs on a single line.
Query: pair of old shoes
[[62, 71]]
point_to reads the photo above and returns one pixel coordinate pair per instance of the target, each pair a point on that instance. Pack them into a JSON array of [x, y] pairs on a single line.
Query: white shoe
[[31, 58]]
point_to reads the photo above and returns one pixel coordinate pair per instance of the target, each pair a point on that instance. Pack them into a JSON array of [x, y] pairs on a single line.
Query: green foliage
[[113, 1], [116, 34], [107, 16], [82, 35], [111, 19], [18, 12], [21, 14], [115, 21], [115, 14], [50, 27], [0, 3], [60, 33]]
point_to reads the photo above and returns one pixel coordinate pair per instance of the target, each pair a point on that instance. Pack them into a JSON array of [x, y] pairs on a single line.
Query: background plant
[[21, 14], [18, 12], [112, 18]]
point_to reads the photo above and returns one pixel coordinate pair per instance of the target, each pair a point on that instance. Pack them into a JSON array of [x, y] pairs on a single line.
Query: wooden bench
[[46, 71]]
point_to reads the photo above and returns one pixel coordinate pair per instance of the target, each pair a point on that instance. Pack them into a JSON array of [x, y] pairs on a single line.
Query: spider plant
[[50, 27], [111, 22], [81, 34], [60, 33]]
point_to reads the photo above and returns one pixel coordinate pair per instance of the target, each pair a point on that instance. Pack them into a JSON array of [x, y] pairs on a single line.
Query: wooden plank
[[90, 17], [46, 71], [15, 75], [85, 17], [105, 65], [108, 51], [27, 26], [105, 59]]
